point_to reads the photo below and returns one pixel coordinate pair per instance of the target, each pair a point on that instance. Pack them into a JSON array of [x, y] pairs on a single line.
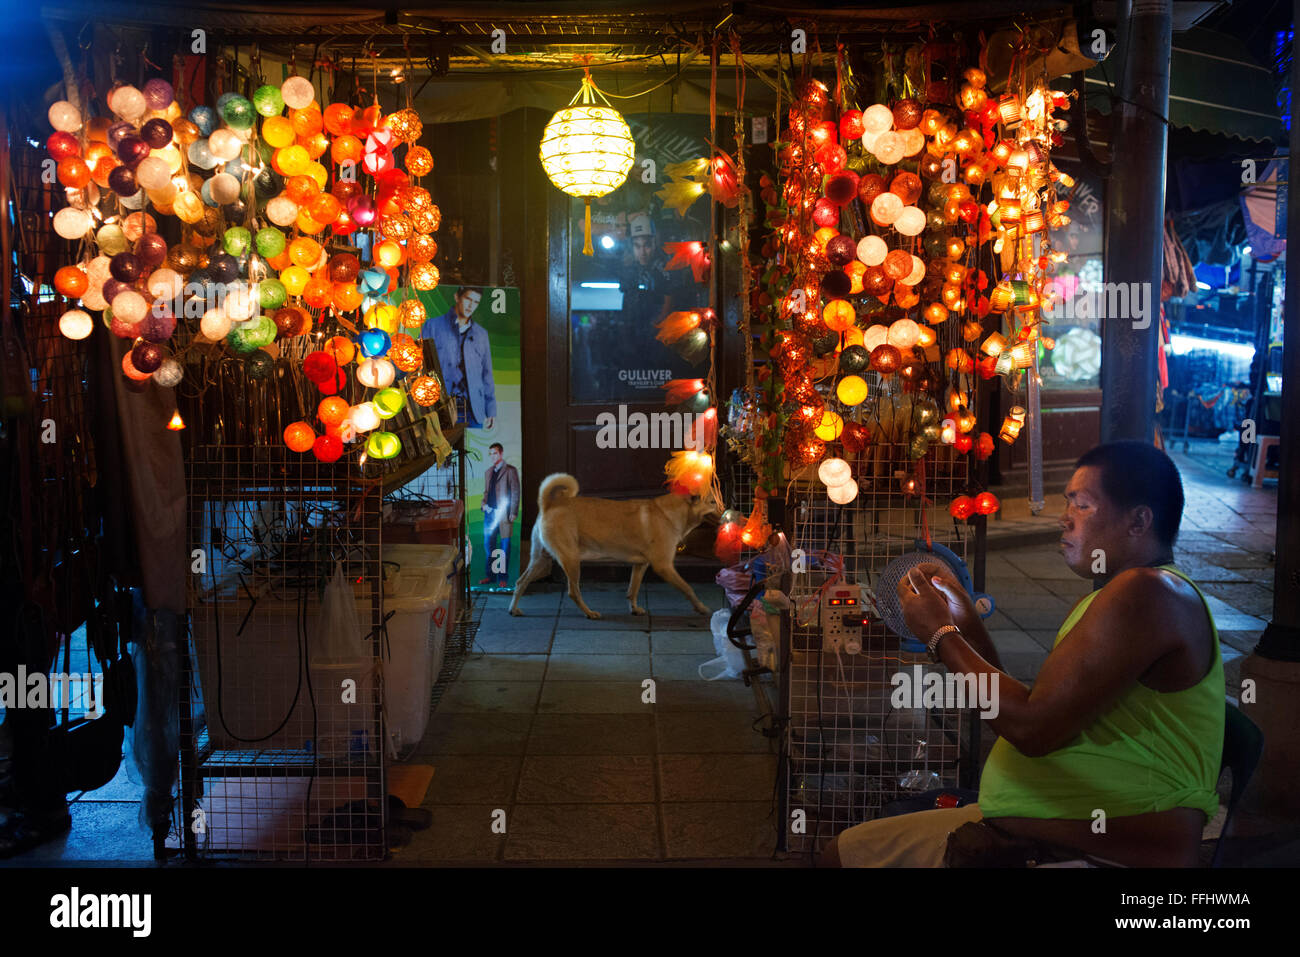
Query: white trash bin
[[418, 597]]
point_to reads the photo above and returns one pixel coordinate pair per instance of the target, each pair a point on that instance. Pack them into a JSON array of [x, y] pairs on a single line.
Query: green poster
[[475, 331]]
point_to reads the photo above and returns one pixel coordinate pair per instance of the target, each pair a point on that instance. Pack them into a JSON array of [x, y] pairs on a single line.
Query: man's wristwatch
[[932, 646]]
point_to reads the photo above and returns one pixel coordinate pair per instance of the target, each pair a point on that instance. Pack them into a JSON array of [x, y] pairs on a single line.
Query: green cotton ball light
[[238, 113], [271, 293], [269, 242], [251, 335], [389, 402], [268, 101], [236, 240], [383, 445]]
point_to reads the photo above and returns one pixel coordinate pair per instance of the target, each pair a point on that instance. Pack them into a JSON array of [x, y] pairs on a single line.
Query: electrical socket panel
[[843, 614]]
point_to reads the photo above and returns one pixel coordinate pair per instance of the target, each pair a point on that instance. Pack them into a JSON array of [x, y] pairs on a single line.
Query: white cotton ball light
[[165, 283], [152, 173], [224, 145], [64, 117], [224, 189], [869, 141], [834, 472], [903, 333], [128, 103], [365, 416], [913, 141], [129, 306], [72, 223], [917, 273], [215, 324], [75, 324], [297, 92], [910, 221], [376, 374], [877, 118], [872, 250], [889, 148], [239, 304], [874, 336], [885, 208], [282, 211], [843, 494], [169, 373]]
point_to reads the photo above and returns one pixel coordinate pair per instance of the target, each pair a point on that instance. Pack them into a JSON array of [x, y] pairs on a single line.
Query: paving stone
[[732, 829], [587, 779], [583, 832], [592, 734], [600, 642], [593, 667], [473, 779]]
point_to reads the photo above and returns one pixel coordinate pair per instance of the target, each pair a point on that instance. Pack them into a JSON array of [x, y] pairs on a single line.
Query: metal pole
[[1281, 639], [1270, 676], [1135, 224]]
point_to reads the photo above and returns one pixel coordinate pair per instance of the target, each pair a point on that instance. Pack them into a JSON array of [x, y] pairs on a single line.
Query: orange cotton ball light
[[341, 349], [839, 315], [425, 390], [986, 503], [299, 436], [331, 411]]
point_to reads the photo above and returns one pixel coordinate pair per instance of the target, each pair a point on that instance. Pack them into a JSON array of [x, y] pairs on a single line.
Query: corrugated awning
[[1214, 87]]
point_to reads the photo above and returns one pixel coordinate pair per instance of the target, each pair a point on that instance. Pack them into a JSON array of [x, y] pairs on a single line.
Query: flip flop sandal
[[415, 818], [23, 832]]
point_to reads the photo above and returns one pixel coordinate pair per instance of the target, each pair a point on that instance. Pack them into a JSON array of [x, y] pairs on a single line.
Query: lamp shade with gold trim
[[587, 150]]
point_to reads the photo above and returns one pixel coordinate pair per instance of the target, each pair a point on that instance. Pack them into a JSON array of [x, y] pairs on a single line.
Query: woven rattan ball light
[[587, 150]]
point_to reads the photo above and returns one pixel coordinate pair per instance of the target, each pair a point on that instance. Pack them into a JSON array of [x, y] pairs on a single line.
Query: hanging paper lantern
[[587, 150]]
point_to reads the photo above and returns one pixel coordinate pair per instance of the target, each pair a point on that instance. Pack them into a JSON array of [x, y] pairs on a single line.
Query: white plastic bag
[[731, 660], [339, 636]]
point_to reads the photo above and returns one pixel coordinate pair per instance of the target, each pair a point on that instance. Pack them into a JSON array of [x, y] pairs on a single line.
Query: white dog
[[644, 532]]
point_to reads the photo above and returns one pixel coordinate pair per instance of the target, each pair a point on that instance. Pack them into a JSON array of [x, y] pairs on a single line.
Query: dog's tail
[[556, 487]]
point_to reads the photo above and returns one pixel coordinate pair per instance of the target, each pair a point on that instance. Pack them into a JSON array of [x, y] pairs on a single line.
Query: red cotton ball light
[[842, 186], [986, 503], [983, 446], [962, 507], [319, 367], [842, 250], [326, 448], [851, 125], [886, 359], [869, 187], [826, 214]]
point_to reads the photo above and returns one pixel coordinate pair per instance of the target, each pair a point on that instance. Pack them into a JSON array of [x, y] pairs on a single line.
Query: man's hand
[[964, 615], [489, 421], [925, 608]]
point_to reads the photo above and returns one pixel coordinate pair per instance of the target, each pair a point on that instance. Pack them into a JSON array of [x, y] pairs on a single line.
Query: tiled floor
[[595, 740]]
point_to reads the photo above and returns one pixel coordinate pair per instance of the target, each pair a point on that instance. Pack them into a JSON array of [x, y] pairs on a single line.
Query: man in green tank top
[[1114, 753]]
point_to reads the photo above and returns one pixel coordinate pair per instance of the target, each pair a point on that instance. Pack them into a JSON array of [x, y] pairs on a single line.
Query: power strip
[[842, 616]]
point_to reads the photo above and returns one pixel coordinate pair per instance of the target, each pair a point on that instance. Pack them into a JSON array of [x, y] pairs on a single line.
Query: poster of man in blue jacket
[[465, 354]]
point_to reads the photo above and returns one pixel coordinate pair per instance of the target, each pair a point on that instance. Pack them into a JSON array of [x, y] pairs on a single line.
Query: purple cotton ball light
[[147, 356], [158, 94], [157, 326]]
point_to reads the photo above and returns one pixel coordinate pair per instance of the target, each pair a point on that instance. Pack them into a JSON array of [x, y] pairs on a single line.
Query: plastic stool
[[1259, 473]]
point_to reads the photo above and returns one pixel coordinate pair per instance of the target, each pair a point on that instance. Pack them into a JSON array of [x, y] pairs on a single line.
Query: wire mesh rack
[[281, 723], [849, 749]]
